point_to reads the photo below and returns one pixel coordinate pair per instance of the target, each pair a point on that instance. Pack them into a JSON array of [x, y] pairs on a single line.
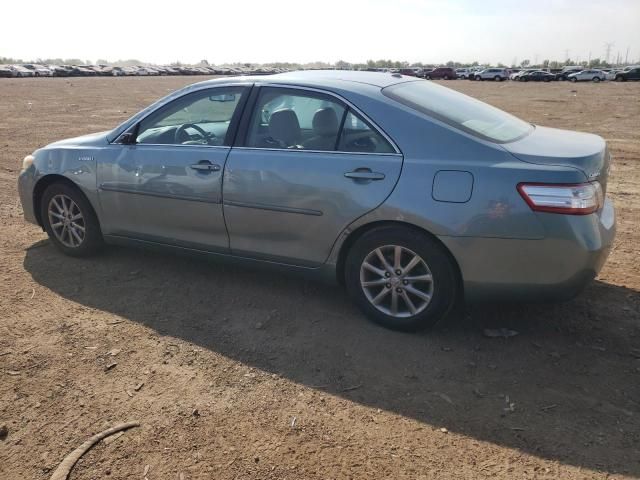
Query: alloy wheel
[[66, 220], [397, 281]]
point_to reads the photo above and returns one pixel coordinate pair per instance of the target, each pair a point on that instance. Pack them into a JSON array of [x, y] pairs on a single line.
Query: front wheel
[[596, 79], [400, 278], [70, 221], [619, 78], [574, 79]]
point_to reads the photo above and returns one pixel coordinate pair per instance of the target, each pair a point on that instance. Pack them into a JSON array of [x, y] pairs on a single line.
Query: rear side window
[[295, 119], [358, 136], [304, 120], [459, 111]]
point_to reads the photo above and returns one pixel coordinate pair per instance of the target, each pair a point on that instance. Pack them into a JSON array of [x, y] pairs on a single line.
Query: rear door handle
[[364, 174], [205, 166]]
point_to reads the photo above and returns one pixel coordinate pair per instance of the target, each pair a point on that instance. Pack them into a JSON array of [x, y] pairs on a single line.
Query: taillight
[[570, 199]]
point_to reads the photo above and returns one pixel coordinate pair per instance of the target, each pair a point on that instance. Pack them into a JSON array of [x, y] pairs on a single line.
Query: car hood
[[92, 139], [552, 146]]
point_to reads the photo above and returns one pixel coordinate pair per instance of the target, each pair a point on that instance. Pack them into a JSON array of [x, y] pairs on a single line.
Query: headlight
[[27, 162]]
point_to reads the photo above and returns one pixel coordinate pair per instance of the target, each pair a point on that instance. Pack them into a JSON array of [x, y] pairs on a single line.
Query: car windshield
[[459, 110]]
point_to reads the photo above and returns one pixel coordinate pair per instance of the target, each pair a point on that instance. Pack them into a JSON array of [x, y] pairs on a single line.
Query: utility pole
[[608, 46], [626, 57], [566, 54]]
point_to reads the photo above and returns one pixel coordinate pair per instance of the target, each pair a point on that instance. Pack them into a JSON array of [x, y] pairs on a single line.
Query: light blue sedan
[[411, 195]]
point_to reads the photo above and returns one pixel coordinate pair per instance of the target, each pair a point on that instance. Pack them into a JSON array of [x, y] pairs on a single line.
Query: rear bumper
[[557, 267]]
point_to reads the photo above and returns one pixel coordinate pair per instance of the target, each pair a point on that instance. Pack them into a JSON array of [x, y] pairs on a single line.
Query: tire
[[574, 79], [435, 261], [446, 77], [497, 78], [596, 79], [91, 240], [547, 79], [619, 78], [427, 77]]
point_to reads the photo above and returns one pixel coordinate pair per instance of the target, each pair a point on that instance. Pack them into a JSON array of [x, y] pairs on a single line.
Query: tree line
[[340, 64]]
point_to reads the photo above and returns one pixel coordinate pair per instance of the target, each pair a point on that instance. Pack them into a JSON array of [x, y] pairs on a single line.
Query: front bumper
[[26, 184], [557, 267]]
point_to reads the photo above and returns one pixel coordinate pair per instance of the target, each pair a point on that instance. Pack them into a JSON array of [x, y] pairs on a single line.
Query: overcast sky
[[430, 31]]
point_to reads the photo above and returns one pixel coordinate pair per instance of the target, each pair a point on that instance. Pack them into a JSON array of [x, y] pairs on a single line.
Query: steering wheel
[[182, 129]]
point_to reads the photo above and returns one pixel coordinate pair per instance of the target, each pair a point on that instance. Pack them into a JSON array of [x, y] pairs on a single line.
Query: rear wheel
[[446, 77], [400, 278], [70, 221], [497, 78], [596, 79]]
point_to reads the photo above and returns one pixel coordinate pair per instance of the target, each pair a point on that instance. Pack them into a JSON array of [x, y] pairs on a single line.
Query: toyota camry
[[410, 195]]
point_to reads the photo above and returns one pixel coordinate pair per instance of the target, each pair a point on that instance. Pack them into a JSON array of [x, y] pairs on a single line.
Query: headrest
[[325, 122], [284, 126]]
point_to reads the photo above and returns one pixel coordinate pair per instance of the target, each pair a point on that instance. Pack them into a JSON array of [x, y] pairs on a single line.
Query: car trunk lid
[[552, 146]]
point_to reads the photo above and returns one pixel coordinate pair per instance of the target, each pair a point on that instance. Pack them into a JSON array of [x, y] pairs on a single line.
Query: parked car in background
[[441, 73], [497, 74], [518, 74], [413, 195], [6, 72], [21, 71], [568, 70], [38, 70], [537, 76], [629, 73], [587, 75], [462, 73], [412, 72], [58, 70]]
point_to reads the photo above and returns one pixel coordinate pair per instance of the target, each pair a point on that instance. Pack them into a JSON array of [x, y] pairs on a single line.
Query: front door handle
[[205, 166], [364, 174]]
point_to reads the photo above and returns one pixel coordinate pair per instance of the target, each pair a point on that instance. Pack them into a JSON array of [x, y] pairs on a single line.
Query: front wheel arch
[[360, 231], [45, 182]]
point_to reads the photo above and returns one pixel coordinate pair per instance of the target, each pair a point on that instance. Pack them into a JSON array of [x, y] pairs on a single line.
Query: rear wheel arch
[[354, 236], [45, 182]]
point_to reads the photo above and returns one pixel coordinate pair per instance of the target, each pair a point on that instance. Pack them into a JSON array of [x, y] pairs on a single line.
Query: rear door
[[307, 166]]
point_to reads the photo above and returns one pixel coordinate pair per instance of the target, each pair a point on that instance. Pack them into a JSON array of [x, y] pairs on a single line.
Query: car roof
[[321, 78]]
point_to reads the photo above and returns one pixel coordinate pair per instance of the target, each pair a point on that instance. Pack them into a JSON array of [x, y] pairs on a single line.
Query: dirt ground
[[241, 374]]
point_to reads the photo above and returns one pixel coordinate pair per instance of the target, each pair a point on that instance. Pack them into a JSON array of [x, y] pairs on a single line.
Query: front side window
[[200, 118], [459, 110]]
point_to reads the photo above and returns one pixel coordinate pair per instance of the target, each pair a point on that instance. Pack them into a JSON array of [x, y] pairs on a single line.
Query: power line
[[608, 47]]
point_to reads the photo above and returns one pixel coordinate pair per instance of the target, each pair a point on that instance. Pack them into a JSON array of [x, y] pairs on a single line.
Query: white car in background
[[587, 75], [462, 72], [38, 70], [20, 71], [497, 74]]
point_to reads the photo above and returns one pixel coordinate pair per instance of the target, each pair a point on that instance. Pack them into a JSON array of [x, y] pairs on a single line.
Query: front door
[[309, 166], [166, 186]]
